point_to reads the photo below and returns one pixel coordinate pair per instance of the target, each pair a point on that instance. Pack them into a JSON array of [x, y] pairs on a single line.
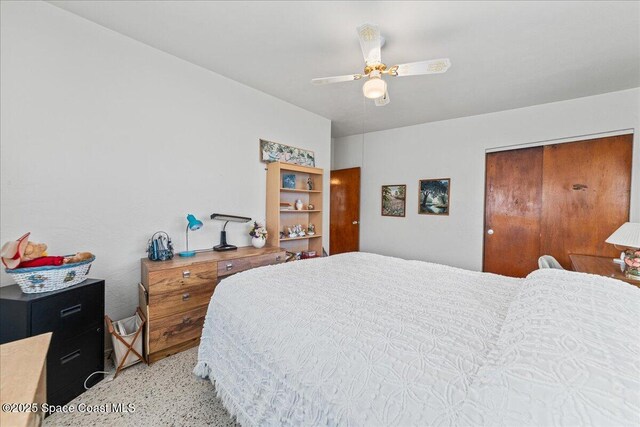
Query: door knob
[[490, 231], [355, 222]]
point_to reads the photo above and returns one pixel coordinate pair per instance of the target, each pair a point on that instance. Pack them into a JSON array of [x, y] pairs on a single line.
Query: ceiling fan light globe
[[374, 88]]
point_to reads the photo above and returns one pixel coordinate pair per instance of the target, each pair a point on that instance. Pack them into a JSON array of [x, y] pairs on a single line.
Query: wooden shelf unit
[[278, 220]]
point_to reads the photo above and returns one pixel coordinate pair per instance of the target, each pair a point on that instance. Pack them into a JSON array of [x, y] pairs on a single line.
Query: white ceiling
[[504, 54]]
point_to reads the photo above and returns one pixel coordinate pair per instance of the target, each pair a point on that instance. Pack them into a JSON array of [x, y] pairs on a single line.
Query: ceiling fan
[[375, 87]]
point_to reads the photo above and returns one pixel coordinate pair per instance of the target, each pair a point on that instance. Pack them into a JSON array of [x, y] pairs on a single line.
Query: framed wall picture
[[434, 196], [394, 200], [275, 152]]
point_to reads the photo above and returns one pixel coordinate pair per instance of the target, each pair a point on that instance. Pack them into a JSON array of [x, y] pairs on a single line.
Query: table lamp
[[628, 235], [193, 224], [224, 246]]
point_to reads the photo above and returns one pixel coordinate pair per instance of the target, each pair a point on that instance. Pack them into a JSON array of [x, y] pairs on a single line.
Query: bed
[[366, 340]]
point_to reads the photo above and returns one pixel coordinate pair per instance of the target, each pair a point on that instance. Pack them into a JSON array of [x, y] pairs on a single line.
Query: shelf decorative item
[[299, 205], [160, 247], [289, 181], [276, 152], [632, 264], [308, 254], [295, 231], [309, 184], [628, 235], [258, 234], [310, 207]]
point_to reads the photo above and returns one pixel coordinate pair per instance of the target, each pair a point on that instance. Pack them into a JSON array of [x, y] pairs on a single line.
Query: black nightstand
[[75, 315]]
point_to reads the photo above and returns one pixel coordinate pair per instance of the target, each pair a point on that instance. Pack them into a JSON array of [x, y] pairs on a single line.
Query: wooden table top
[[21, 370], [603, 266], [209, 256]]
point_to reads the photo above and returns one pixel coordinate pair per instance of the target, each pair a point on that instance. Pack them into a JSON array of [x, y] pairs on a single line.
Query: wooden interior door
[[513, 200], [344, 218], [586, 195]]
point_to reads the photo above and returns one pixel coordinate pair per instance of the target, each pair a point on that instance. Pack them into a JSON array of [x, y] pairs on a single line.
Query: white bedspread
[[568, 355], [366, 340]]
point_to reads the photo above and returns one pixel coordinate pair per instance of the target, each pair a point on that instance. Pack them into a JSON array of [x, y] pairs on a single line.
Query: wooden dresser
[[175, 294]]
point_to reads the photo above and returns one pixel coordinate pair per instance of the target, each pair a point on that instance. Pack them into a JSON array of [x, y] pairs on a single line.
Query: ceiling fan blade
[[336, 79], [383, 100], [434, 66], [369, 35]]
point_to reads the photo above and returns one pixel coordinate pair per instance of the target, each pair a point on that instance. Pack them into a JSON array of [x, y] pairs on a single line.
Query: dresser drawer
[[75, 359], [180, 278], [188, 298], [176, 329], [69, 313], [236, 265]]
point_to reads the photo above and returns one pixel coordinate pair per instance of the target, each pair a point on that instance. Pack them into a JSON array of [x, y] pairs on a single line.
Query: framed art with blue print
[[289, 181]]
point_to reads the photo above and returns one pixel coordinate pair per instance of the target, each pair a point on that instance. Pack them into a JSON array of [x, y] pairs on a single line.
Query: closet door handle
[[186, 296], [69, 357], [490, 231], [70, 310], [186, 274], [229, 266]]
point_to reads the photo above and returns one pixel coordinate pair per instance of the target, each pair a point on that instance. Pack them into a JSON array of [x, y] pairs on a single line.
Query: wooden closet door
[[585, 196], [513, 197]]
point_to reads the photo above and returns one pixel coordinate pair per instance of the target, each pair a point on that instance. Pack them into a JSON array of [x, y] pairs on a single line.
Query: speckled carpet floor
[[163, 394]]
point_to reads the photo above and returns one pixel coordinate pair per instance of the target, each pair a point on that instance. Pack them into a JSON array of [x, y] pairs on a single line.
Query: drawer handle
[[70, 310], [69, 357], [279, 257], [229, 266], [186, 319], [186, 274], [185, 296]]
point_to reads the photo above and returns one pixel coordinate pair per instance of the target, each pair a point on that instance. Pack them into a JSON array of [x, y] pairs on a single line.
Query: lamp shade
[[627, 235], [194, 224], [374, 88]]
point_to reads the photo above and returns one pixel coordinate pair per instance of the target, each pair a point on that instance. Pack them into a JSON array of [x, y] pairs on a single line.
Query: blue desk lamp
[[193, 225]]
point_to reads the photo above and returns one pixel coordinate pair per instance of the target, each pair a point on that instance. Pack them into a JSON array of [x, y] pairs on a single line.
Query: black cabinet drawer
[[68, 314], [73, 390], [72, 361]]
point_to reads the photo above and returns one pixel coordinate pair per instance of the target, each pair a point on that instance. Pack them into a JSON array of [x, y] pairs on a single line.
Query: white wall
[[456, 149], [105, 140]]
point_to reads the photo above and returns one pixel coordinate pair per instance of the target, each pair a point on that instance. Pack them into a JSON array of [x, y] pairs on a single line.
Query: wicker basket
[[50, 278]]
